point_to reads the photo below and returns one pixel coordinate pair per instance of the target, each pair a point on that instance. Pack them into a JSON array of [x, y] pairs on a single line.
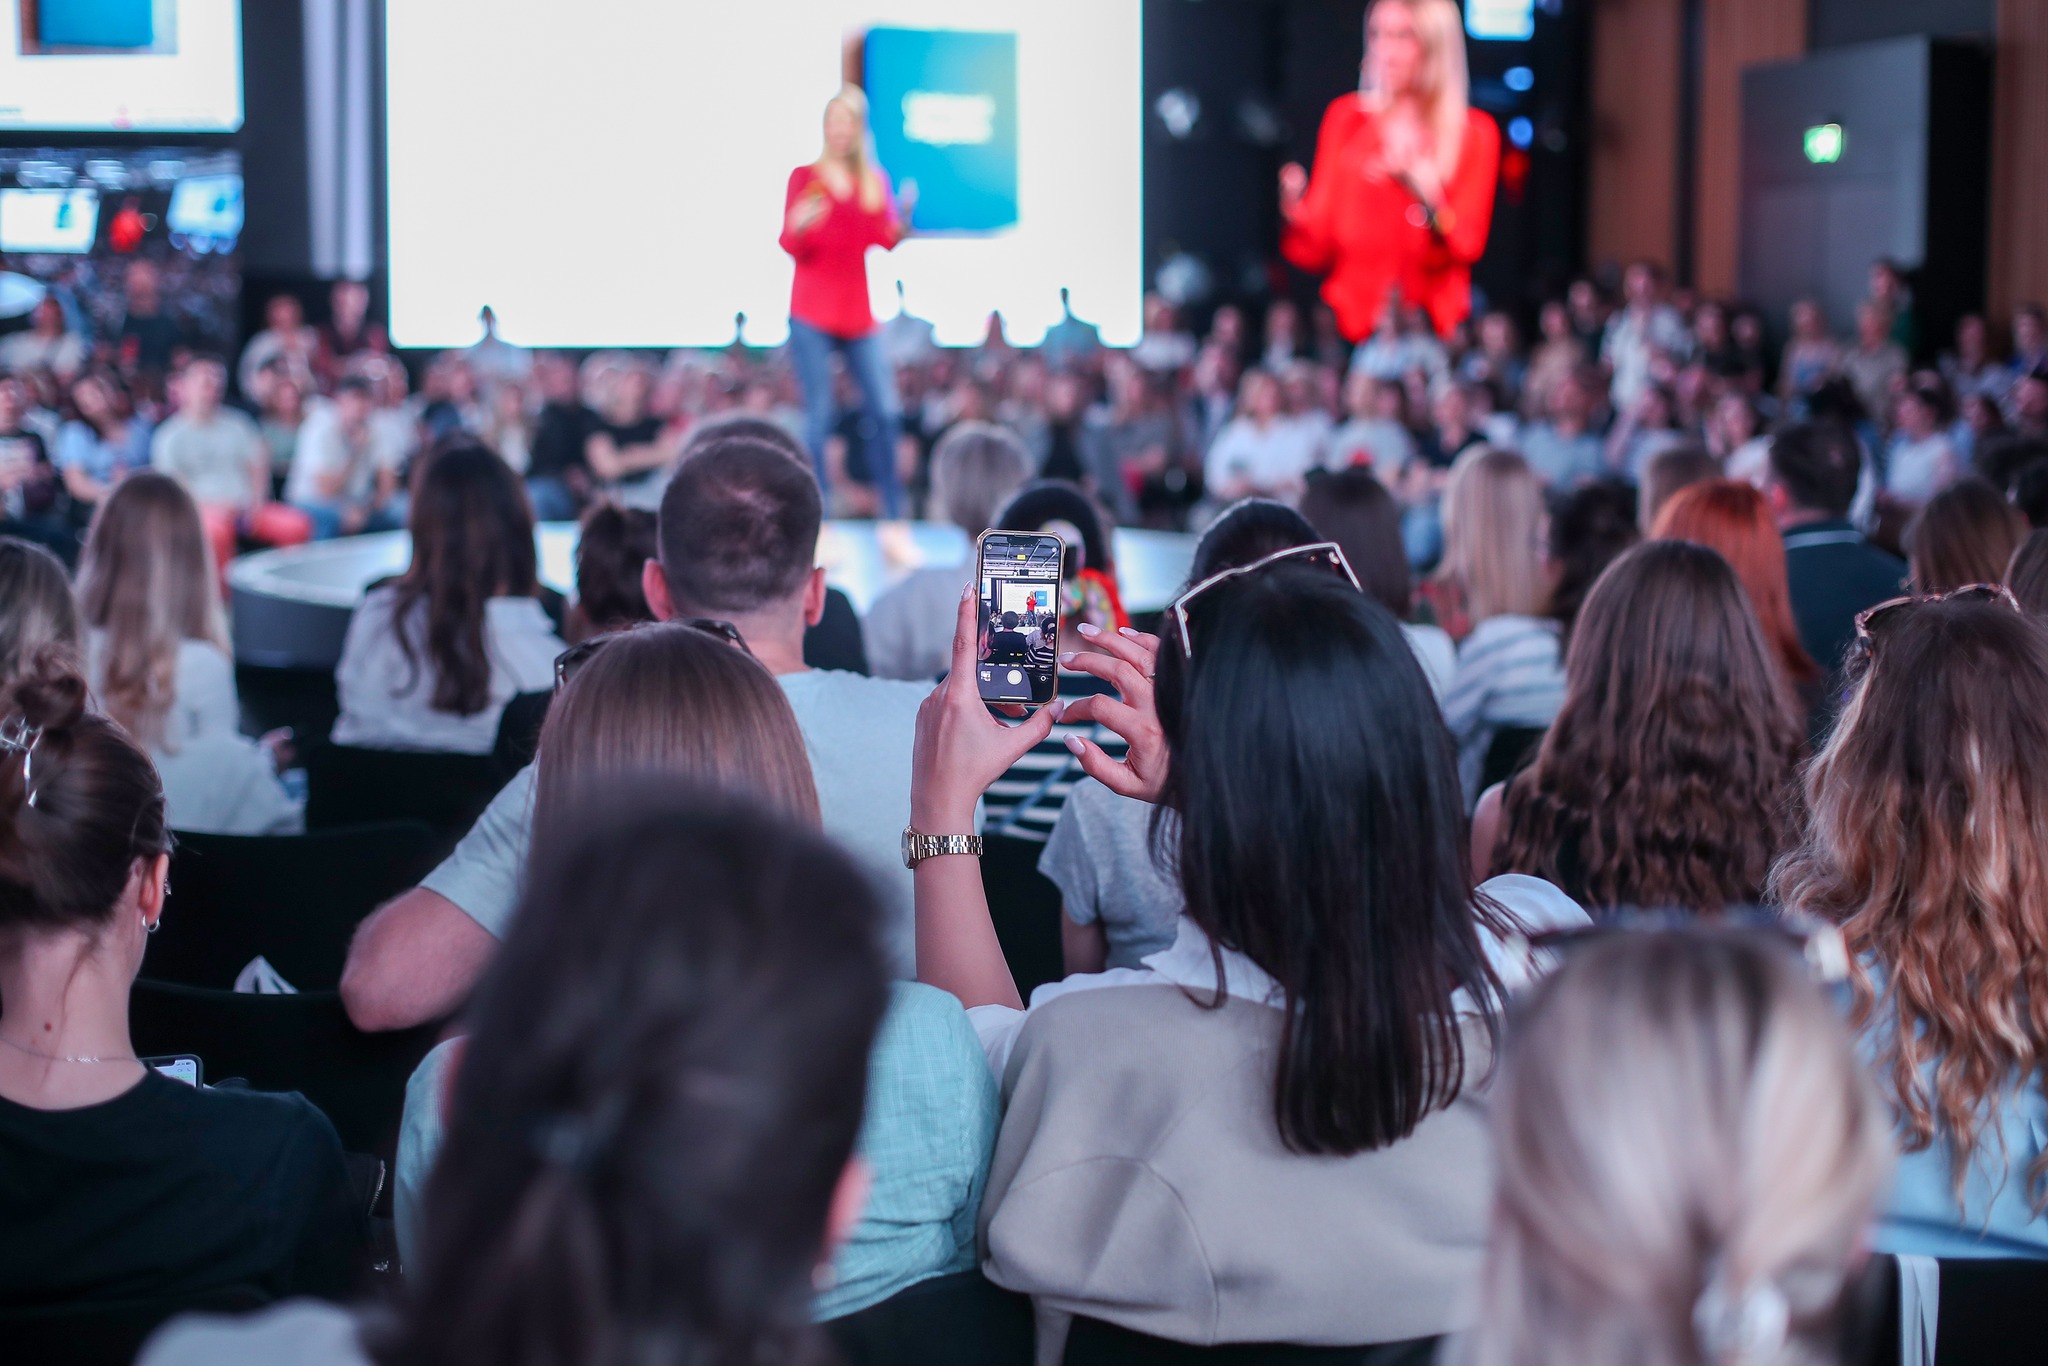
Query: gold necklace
[[58, 1057]]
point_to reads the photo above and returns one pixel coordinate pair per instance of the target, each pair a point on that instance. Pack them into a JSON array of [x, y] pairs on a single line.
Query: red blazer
[[1358, 229], [831, 287]]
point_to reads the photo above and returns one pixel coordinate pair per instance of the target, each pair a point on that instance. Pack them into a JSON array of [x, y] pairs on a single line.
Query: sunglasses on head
[[1322, 554], [571, 661], [1872, 620]]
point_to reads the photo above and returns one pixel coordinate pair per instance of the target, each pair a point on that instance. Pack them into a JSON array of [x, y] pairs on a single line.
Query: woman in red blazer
[[838, 207], [1402, 194]]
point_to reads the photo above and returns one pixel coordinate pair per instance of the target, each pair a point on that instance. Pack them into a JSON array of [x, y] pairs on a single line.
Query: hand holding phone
[[1017, 641]]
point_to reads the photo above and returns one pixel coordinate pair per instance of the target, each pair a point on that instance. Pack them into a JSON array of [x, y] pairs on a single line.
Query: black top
[[558, 439], [1834, 574], [170, 1191], [624, 434]]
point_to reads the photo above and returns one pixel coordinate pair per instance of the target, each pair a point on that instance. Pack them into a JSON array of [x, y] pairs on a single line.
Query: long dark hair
[[472, 540], [1355, 510], [1322, 834], [658, 1098], [1672, 767]]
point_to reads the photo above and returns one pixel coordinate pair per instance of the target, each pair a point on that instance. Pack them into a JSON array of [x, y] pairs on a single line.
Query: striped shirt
[[1509, 674], [1026, 801]]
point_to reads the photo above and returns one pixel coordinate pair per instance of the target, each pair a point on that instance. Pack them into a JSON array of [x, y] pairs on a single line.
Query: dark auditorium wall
[[1633, 167], [2019, 162], [1835, 23]]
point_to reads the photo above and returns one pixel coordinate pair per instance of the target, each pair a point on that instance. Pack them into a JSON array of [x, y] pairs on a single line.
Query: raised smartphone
[[1018, 632]]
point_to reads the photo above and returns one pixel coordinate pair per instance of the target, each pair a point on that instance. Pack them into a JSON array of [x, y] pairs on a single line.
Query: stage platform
[[292, 606]]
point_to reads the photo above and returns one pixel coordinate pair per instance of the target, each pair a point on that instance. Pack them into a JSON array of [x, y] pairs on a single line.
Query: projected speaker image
[[624, 177], [121, 65]]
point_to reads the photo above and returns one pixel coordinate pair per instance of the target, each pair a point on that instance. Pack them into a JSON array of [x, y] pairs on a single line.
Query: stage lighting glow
[[1519, 78], [619, 179], [1521, 132], [1824, 143], [1511, 20]]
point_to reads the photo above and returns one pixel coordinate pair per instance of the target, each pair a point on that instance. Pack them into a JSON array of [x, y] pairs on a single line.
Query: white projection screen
[[612, 172]]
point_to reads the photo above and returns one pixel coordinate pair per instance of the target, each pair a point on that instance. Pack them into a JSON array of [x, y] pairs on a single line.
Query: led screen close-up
[[620, 178]]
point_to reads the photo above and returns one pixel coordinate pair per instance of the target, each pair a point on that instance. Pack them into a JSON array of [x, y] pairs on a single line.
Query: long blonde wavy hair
[[1495, 534], [1442, 84], [861, 163], [147, 580], [1685, 1137], [1927, 839]]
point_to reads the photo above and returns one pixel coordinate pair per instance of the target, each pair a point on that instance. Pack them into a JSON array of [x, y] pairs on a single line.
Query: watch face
[[909, 848]]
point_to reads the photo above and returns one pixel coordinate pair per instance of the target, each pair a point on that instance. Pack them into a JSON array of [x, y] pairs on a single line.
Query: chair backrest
[[1091, 1342], [1025, 906], [347, 785], [293, 900], [302, 1042], [1991, 1312], [519, 731], [110, 1333], [1512, 749], [957, 1320]]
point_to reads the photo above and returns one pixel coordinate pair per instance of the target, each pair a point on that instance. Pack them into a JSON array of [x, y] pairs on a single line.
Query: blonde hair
[[1494, 529], [1442, 84], [1687, 1145], [147, 580], [855, 101], [37, 611]]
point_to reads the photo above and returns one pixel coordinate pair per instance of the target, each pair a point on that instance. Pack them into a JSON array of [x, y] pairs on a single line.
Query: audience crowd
[[1563, 881]]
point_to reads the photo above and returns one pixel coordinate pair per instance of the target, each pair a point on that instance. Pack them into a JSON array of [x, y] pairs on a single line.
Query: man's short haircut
[[738, 527], [750, 427], [213, 358], [355, 384], [1819, 464]]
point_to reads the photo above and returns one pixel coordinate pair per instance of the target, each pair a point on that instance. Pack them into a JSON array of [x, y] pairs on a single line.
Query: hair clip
[[19, 735], [1751, 1326]]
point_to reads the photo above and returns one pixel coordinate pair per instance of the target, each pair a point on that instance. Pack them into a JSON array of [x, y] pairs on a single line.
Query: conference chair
[[349, 785], [957, 1320], [1025, 906]]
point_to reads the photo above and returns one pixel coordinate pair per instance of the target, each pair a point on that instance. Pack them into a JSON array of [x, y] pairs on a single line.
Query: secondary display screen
[[1017, 649], [121, 65], [620, 179]]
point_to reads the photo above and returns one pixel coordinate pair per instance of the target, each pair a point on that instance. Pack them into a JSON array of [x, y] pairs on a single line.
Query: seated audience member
[[1735, 438], [2026, 576], [628, 449], [977, 467], [123, 1185], [557, 470], [156, 652], [651, 1137], [1373, 433], [1690, 1158], [1922, 840], [1509, 670], [45, 344], [1593, 524], [218, 454], [1354, 509], [285, 343], [1920, 460], [1272, 1131], [1649, 426], [430, 660], [613, 544], [1665, 474], [283, 412], [1563, 449], [37, 610], [31, 489], [106, 439], [1965, 535], [684, 700], [739, 529], [1667, 777], [1832, 571], [1261, 452], [1735, 521], [343, 476]]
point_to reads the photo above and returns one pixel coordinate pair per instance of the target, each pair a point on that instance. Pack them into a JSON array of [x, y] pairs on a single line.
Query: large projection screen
[[121, 65], [612, 173]]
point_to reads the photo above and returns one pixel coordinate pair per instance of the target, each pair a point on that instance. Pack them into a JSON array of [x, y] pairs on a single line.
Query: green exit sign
[[1824, 143]]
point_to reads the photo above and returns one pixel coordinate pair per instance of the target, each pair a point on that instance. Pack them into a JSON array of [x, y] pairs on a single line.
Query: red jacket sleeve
[[1469, 196], [797, 244], [1308, 239], [889, 228]]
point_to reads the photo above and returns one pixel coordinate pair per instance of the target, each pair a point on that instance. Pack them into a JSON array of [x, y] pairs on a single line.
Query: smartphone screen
[[181, 1067], [1017, 651]]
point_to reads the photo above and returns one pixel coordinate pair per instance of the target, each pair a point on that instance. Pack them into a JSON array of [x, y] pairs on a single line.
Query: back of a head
[[658, 1098], [1247, 531], [1687, 1146], [1667, 472], [2027, 574], [37, 610], [1055, 502], [1673, 760], [1322, 833], [146, 578], [1818, 464], [613, 545], [1355, 510], [1965, 535], [744, 426], [977, 467], [1592, 525], [668, 698], [472, 540], [1494, 529], [738, 528], [1734, 519], [79, 804]]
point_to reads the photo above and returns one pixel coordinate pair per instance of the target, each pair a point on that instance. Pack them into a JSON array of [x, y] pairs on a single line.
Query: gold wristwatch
[[917, 848]]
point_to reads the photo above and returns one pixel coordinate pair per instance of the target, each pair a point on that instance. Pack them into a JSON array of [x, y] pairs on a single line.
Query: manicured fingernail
[[1128, 631], [1059, 708], [1074, 743], [1089, 628], [1067, 658], [966, 592]]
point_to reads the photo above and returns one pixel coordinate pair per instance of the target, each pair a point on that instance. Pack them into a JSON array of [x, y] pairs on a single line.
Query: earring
[[152, 926]]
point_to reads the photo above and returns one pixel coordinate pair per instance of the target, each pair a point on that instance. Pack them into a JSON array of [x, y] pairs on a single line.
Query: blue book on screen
[[96, 23], [943, 109]]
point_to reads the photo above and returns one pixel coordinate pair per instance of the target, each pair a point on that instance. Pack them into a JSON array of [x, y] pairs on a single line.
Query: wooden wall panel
[[2019, 158], [1734, 33], [1632, 176]]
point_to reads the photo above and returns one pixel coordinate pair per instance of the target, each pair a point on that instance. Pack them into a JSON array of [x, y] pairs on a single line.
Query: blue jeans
[[552, 499], [327, 517], [881, 412]]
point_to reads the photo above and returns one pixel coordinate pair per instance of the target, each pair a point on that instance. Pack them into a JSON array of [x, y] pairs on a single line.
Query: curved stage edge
[[292, 606]]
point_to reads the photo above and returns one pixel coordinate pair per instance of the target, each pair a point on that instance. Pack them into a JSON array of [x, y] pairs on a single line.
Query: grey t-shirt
[[304, 1332], [1100, 857], [859, 733]]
